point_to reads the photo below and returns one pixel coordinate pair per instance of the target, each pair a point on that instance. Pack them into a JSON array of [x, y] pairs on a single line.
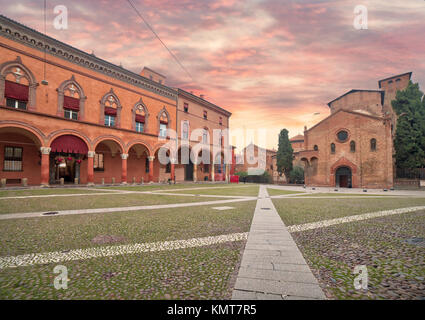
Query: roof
[[359, 90], [399, 75], [203, 102], [35, 39], [297, 138]]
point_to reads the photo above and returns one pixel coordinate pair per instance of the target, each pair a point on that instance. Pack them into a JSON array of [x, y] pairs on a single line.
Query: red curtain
[[140, 118], [164, 121], [110, 111], [71, 103], [16, 91], [69, 144]]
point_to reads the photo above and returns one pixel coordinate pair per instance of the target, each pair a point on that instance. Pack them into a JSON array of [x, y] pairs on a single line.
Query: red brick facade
[[94, 92]]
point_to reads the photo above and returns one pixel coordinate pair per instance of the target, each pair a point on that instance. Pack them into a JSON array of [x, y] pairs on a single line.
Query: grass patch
[[304, 210], [251, 190], [196, 273], [42, 192], [112, 200], [336, 194], [280, 192], [158, 187], [34, 235]]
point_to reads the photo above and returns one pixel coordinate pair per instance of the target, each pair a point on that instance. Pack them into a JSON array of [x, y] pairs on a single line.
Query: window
[[12, 103], [220, 121], [390, 81], [332, 148], [185, 131], [98, 162], [147, 165], [373, 144], [139, 126], [71, 114], [162, 130], [205, 136], [316, 148], [186, 107], [205, 115], [109, 120], [398, 79], [352, 146], [342, 136], [12, 159]]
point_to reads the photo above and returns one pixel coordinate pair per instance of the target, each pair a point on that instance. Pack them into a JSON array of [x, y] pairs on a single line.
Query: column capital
[[91, 154], [124, 156], [45, 150], [151, 158]]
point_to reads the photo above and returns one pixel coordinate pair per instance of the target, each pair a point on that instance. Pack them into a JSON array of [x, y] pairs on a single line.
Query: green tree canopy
[[409, 142], [284, 154]]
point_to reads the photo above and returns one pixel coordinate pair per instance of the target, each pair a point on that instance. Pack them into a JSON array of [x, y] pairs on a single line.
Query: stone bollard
[[113, 180], [134, 180], [142, 181], [3, 183], [62, 181], [76, 181], [103, 181], [24, 182]]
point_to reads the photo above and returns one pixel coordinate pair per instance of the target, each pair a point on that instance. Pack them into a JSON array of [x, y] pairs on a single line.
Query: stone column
[[45, 165], [151, 159], [172, 171], [195, 172], [90, 170], [213, 172], [124, 157]]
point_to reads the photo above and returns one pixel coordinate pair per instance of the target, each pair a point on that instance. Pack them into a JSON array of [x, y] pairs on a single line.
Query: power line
[[157, 36]]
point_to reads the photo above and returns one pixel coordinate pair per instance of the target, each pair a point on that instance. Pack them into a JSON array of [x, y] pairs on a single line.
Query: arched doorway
[[185, 163], [219, 167], [67, 154], [138, 163], [343, 177], [108, 161]]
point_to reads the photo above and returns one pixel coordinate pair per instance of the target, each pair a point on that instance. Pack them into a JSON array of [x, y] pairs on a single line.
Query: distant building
[[353, 146], [255, 160]]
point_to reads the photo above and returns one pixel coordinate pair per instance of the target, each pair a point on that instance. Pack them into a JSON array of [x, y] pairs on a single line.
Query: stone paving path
[[272, 266]]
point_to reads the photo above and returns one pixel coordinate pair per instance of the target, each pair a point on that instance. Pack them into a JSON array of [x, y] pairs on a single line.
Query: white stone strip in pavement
[[60, 195], [331, 222], [8, 216], [272, 266], [109, 251]]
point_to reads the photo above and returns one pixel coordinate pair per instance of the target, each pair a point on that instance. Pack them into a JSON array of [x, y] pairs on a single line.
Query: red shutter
[[163, 121], [140, 118], [71, 103], [16, 91], [110, 111]]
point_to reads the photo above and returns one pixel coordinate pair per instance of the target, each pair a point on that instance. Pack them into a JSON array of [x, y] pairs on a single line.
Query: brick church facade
[[66, 115], [353, 146]]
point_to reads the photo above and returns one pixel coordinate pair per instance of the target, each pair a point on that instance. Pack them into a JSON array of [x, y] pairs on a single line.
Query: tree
[[409, 142], [284, 154], [297, 175]]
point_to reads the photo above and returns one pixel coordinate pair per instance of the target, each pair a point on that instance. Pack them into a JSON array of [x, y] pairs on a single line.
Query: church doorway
[[343, 177]]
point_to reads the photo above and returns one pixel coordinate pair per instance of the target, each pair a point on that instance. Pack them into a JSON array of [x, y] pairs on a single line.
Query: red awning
[[140, 118], [16, 91], [110, 111], [71, 103], [69, 144], [163, 121]]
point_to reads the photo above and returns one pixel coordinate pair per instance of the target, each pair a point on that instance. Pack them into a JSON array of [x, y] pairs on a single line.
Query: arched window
[[316, 148], [110, 110], [17, 85], [164, 120], [373, 144], [140, 116], [352, 146], [71, 100], [332, 147]]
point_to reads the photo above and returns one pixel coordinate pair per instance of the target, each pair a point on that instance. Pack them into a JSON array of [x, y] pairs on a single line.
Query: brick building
[[255, 160], [66, 114], [353, 146]]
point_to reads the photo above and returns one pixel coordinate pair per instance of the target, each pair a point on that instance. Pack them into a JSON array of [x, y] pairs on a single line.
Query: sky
[[273, 63]]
